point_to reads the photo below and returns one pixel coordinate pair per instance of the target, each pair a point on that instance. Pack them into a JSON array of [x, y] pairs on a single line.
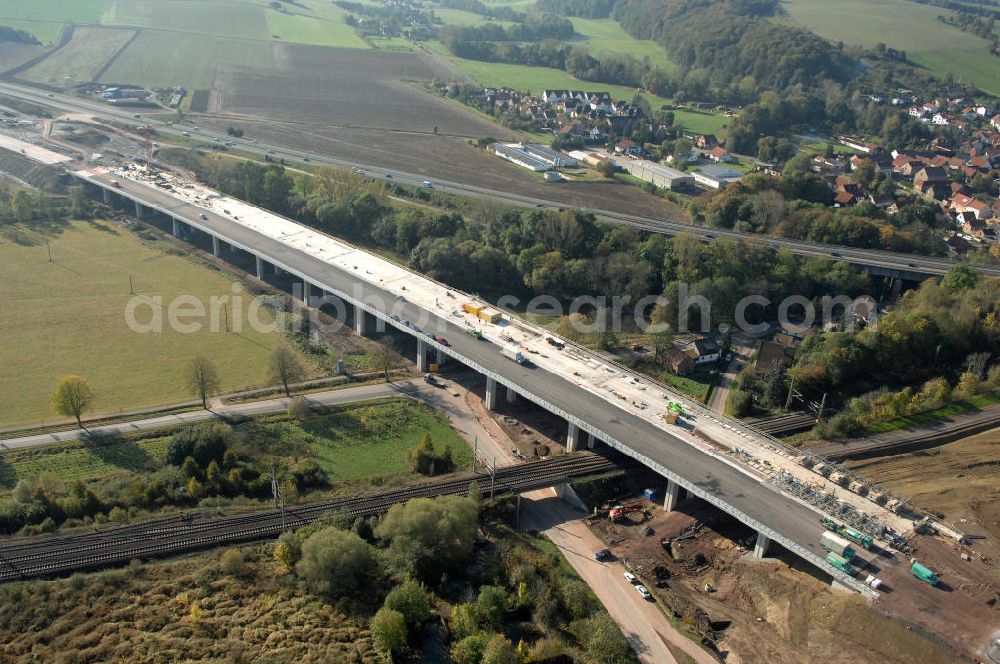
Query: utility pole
[[822, 405], [493, 477], [791, 393], [49, 249], [274, 486], [475, 452], [131, 290]]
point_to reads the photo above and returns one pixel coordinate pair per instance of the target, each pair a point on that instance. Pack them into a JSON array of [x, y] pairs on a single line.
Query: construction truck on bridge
[[856, 536]]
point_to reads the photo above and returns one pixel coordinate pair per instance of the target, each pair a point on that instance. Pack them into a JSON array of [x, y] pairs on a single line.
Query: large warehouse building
[[534, 157], [661, 176]]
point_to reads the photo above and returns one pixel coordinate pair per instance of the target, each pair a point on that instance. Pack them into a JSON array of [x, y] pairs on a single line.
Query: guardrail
[[448, 350]]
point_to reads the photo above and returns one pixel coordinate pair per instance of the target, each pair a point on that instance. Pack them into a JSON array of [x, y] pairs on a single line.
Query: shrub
[[492, 605], [336, 563], [232, 561], [388, 629], [470, 649], [412, 600]]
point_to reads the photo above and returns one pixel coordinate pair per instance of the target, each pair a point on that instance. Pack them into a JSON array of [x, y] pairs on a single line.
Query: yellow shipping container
[[472, 308], [489, 315]]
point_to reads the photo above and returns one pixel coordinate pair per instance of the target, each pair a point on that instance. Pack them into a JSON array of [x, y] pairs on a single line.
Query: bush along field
[[344, 449], [433, 580]]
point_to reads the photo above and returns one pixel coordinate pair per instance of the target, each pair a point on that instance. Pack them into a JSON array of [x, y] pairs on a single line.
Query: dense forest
[[534, 28], [725, 44], [581, 8]]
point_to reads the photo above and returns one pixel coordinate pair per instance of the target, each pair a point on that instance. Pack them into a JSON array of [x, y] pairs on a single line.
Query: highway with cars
[[897, 264]]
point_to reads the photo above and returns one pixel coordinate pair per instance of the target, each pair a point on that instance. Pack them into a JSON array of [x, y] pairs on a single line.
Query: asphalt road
[[904, 263], [642, 621], [748, 494], [328, 398]]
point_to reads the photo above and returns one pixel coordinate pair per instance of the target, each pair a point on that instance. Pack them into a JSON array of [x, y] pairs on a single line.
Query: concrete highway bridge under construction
[[724, 462]]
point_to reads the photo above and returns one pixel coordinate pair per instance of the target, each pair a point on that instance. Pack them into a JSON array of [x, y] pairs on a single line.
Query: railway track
[[783, 424], [920, 440], [52, 556]]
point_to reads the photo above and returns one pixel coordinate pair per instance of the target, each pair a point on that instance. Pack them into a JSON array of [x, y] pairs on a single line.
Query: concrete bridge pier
[[216, 246], [176, 227], [107, 196], [138, 209], [260, 267], [491, 394], [572, 438], [440, 357], [422, 364], [306, 292], [762, 545], [672, 496], [361, 321], [511, 395], [591, 441]]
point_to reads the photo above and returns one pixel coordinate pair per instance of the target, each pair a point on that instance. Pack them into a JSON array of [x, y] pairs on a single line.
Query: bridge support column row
[[762, 545], [360, 321], [216, 246], [260, 267], [138, 209], [107, 196], [177, 228], [422, 364], [572, 438], [491, 394], [672, 496]]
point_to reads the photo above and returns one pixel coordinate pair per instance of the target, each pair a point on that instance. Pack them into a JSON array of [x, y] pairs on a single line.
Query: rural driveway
[[412, 388], [652, 636]]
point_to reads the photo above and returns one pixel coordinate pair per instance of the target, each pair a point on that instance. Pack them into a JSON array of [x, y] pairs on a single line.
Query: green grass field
[[152, 59], [602, 36], [369, 440], [81, 58], [45, 31], [903, 25], [226, 19], [68, 317], [321, 24], [68, 11], [354, 442]]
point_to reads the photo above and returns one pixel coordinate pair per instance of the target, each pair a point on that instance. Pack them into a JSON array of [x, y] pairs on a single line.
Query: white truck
[[837, 544], [515, 355]]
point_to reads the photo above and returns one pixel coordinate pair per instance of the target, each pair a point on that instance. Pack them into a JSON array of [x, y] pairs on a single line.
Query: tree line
[[581, 8], [797, 205]]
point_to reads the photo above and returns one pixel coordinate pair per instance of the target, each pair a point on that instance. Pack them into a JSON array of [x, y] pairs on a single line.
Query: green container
[[924, 574], [840, 563], [857, 537]]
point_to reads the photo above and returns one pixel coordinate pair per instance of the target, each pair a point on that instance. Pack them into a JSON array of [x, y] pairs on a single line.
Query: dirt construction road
[[643, 623]]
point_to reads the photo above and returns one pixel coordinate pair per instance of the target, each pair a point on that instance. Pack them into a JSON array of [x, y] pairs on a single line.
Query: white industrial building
[[716, 177], [532, 156], [516, 153], [658, 174]]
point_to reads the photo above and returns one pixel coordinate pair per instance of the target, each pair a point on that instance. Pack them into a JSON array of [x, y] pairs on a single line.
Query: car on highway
[[729, 357], [306, 158], [539, 205], [270, 151], [389, 175], [136, 115], [602, 555], [643, 592], [428, 184], [253, 140], [441, 340], [51, 95], [202, 215], [631, 578]]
